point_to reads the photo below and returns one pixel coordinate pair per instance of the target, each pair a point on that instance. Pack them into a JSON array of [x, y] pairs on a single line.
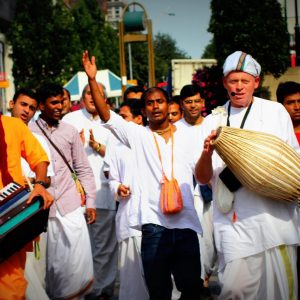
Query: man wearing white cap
[[255, 237]]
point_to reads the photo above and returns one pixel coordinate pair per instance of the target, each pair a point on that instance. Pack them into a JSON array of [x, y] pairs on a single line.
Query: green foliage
[[256, 27], [209, 51], [43, 43], [47, 43], [165, 49]]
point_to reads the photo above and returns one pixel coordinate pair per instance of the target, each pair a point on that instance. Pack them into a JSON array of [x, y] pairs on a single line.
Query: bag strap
[[56, 148], [159, 154]]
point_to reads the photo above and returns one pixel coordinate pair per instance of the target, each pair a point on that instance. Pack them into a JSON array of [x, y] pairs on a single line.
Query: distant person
[[102, 232], [288, 94], [175, 110], [67, 103], [133, 92], [122, 178]]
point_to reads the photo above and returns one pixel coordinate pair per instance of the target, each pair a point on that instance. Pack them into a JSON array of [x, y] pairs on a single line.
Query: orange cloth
[[16, 140]]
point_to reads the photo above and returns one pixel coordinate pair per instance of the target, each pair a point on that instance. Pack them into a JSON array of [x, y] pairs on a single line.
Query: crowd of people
[[135, 196]]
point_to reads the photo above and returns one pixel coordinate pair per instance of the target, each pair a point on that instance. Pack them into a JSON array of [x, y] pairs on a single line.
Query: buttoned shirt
[[63, 188]]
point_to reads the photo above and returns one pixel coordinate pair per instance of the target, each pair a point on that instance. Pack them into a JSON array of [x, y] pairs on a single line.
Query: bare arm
[[90, 69], [204, 169], [38, 190]]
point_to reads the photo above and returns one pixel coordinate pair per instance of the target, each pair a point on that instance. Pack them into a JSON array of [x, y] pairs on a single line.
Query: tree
[[165, 49], [100, 39], [39, 53], [257, 28], [47, 44]]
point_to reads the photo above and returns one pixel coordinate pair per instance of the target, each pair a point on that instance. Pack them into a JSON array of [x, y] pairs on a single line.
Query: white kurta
[[120, 161], [146, 209], [261, 223]]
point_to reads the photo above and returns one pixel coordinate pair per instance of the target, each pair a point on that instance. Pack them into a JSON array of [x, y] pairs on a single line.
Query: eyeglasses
[[190, 101]]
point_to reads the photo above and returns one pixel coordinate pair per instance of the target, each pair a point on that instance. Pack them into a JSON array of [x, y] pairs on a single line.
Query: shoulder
[[72, 116]]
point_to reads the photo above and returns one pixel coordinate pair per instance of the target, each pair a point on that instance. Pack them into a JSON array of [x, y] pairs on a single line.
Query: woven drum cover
[[262, 162]]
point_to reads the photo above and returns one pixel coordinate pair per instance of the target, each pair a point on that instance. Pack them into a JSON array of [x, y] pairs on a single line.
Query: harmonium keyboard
[[20, 222]]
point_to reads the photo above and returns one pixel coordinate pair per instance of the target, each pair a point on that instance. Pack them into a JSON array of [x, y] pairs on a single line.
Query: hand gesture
[[208, 148], [123, 190], [89, 65], [82, 137]]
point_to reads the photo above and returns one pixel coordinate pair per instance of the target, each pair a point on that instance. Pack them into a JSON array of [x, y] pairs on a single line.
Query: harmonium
[[20, 222]]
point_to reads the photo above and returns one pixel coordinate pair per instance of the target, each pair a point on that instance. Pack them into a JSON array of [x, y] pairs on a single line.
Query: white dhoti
[[35, 269], [132, 283], [69, 270], [270, 275], [208, 251]]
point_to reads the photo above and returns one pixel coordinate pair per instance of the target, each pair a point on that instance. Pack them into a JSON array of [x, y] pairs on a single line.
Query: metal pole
[[130, 61], [297, 35]]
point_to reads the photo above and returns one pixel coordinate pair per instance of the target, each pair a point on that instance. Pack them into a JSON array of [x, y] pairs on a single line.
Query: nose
[[155, 104]]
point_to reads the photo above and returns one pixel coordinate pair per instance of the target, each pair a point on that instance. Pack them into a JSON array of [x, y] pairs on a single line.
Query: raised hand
[[89, 65]]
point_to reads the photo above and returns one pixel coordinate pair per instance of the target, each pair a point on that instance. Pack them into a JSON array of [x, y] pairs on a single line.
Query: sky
[[186, 21]]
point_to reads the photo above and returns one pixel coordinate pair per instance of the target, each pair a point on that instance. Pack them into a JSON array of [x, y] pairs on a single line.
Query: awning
[[110, 80]]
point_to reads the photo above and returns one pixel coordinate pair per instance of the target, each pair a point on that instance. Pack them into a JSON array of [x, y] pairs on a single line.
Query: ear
[[256, 82], [139, 119], [11, 104]]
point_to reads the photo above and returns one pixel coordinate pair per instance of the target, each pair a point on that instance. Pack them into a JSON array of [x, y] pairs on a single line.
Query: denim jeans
[[171, 251]]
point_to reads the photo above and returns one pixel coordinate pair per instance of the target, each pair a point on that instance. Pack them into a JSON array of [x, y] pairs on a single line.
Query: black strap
[[245, 116], [56, 148]]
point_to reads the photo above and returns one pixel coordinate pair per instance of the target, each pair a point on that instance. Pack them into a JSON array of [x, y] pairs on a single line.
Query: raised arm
[[90, 69]]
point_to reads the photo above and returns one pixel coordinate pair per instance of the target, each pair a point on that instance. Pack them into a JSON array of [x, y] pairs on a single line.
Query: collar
[[89, 115]]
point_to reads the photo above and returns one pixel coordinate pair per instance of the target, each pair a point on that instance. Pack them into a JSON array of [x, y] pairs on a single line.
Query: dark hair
[[49, 90], [135, 106], [26, 92], [285, 89], [191, 90], [152, 90], [133, 89], [175, 99]]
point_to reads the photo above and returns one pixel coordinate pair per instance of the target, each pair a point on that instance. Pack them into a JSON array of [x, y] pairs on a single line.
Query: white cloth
[[82, 119], [204, 211], [35, 270], [132, 283], [270, 275], [261, 223], [248, 65], [141, 142], [69, 257], [120, 161], [25, 167]]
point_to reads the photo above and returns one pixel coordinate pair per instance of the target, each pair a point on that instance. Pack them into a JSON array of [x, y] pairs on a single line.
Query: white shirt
[[82, 119], [261, 223], [120, 160], [147, 184], [25, 166]]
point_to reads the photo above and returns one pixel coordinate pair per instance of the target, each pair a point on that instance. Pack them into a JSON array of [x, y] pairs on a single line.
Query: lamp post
[[297, 35]]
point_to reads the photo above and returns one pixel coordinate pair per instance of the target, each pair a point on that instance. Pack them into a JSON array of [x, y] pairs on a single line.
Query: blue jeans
[[171, 251]]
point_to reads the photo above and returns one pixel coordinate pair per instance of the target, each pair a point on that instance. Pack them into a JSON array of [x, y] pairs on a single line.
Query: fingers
[[91, 215]]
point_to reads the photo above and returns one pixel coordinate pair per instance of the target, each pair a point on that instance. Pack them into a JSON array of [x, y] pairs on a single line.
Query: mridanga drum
[[261, 162]]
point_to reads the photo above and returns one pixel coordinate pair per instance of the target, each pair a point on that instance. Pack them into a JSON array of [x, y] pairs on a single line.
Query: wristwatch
[[42, 183]]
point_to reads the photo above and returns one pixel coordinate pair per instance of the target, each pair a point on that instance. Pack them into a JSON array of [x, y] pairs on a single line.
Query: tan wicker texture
[[262, 162]]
